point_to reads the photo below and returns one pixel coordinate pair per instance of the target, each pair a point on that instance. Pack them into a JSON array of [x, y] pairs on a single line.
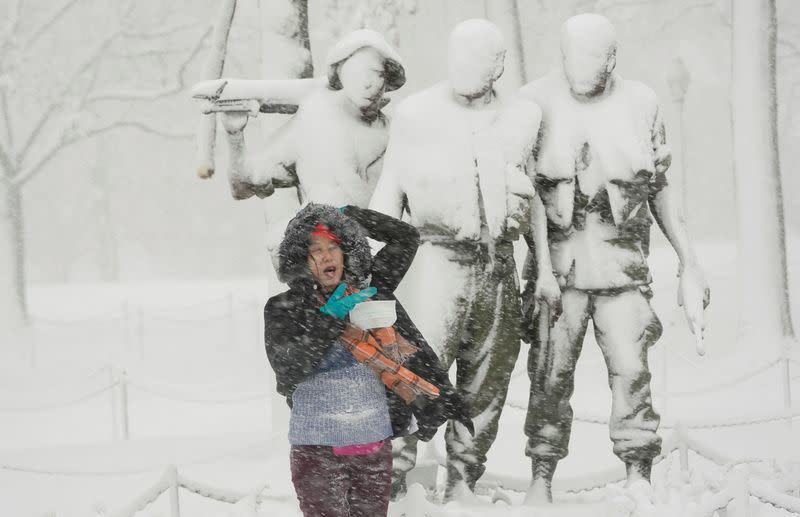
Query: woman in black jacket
[[321, 247]]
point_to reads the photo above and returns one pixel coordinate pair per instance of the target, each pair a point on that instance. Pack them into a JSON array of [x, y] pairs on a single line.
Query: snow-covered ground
[[200, 397]]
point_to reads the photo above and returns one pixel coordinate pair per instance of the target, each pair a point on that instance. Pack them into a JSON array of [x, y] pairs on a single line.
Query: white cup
[[373, 314]]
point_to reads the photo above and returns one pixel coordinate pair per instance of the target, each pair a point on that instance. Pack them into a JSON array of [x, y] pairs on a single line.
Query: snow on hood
[[293, 251], [356, 40]]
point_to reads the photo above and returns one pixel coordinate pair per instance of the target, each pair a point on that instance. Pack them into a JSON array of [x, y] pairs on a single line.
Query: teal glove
[[339, 305]]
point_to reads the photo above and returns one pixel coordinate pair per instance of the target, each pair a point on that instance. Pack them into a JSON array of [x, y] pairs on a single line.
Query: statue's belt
[[470, 251]]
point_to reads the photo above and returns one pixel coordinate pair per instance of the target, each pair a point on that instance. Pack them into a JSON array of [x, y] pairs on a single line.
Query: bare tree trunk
[[285, 53], [285, 44], [764, 301], [13, 310], [207, 131], [107, 248], [21, 159], [300, 10], [505, 13]]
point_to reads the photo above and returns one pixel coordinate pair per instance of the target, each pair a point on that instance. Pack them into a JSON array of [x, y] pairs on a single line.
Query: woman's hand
[[339, 305]]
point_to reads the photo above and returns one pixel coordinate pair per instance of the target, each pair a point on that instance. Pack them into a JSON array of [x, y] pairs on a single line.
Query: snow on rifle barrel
[[254, 96]]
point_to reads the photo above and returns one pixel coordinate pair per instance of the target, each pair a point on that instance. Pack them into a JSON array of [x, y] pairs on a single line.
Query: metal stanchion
[[740, 505], [113, 395], [140, 331], [174, 501], [231, 323], [123, 391], [126, 326]]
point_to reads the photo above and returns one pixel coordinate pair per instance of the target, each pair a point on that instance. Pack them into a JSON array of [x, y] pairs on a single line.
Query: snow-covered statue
[[600, 169], [455, 165], [331, 149]]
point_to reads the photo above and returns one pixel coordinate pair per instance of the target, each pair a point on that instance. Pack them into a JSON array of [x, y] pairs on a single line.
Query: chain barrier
[[134, 471], [109, 315], [210, 492], [149, 496], [74, 473], [202, 319], [697, 424], [142, 386], [729, 383], [195, 305], [700, 391], [776, 499], [766, 419], [100, 320], [249, 397], [63, 404], [172, 480], [60, 383], [126, 309], [215, 383]]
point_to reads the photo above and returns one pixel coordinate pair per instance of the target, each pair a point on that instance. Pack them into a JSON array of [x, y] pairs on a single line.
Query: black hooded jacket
[[298, 335]]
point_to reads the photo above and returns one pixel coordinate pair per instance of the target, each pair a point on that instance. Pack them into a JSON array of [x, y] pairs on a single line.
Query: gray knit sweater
[[341, 403]]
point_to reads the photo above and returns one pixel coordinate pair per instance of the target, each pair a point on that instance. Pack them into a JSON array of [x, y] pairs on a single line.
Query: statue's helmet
[[394, 72]]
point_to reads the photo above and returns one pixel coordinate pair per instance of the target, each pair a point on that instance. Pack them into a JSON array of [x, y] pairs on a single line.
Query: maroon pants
[[342, 486]]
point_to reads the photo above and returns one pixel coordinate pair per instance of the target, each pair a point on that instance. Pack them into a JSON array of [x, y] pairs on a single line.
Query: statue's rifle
[[542, 350], [253, 96]]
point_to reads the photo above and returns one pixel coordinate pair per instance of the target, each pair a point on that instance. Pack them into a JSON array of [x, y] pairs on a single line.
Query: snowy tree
[[215, 63], [505, 13], [52, 99], [347, 15], [764, 302]]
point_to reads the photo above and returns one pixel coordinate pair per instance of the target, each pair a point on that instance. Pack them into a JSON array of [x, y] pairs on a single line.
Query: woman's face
[[325, 261]]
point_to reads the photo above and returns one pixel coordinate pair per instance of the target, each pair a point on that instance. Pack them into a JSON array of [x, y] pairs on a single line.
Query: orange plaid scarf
[[384, 350]]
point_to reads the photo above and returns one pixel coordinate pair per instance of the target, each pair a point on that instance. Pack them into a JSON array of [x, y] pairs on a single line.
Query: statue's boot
[[637, 471], [461, 482], [399, 487], [639, 488], [541, 488]]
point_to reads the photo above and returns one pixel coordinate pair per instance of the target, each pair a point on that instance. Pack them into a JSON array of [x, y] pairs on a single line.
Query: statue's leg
[[404, 457], [625, 327], [436, 293], [551, 368], [485, 361]]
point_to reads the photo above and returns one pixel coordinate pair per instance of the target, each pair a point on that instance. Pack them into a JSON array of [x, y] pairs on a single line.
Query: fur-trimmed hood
[[293, 251]]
